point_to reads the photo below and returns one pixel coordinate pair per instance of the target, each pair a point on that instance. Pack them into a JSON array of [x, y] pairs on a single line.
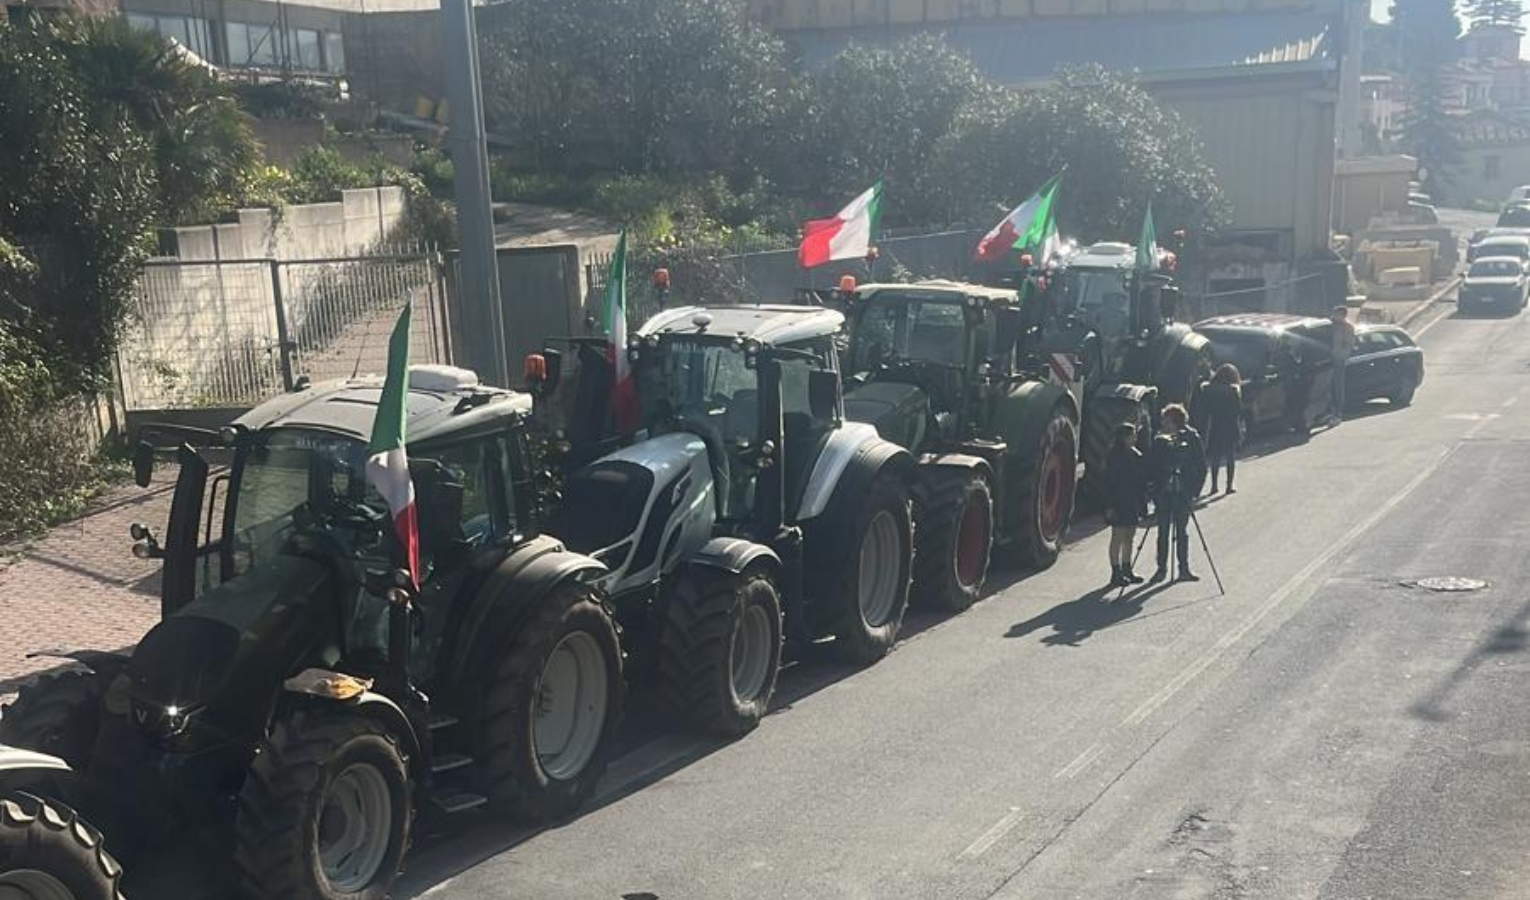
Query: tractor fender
[[734, 555], [507, 595], [932, 465], [1177, 354], [853, 457], [390, 716], [1024, 413], [14, 760], [1132, 393], [99, 662]]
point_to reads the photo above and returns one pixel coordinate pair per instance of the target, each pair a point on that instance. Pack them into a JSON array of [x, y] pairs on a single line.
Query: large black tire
[[305, 775], [522, 781], [720, 650], [49, 841], [1104, 415], [868, 558], [1043, 505], [955, 541], [1403, 395], [58, 714]]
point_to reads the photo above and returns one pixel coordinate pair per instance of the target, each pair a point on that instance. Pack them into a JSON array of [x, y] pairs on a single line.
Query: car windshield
[[1250, 352], [293, 480], [924, 328], [1494, 268], [1516, 249]]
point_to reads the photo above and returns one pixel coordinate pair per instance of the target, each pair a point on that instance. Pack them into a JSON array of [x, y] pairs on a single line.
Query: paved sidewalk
[[79, 586]]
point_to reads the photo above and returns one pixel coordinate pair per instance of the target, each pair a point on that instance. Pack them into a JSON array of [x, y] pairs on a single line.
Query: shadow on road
[[1076, 621], [1512, 636]]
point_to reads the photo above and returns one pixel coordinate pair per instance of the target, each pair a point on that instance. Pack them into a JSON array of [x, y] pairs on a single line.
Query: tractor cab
[[1106, 310]]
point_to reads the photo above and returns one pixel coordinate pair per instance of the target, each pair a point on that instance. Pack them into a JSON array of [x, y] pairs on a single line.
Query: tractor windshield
[[293, 480], [891, 328], [1100, 295]]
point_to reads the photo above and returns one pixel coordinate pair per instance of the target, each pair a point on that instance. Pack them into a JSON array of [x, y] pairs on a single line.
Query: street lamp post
[[479, 303]]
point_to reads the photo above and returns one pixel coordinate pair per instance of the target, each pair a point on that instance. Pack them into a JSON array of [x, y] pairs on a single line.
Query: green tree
[[634, 86], [1426, 38], [1495, 12], [874, 113], [203, 149], [1121, 149], [1428, 132]]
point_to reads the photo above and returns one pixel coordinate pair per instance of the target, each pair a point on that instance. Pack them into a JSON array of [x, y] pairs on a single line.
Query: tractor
[[47, 852], [941, 367], [1108, 328], [302, 698], [743, 476]]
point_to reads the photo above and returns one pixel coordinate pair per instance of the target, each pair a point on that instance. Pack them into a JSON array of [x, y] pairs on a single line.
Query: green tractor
[[301, 700], [942, 368], [1109, 329]]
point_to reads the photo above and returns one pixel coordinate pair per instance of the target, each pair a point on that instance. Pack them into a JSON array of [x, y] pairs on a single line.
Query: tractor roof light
[[534, 367], [847, 284]]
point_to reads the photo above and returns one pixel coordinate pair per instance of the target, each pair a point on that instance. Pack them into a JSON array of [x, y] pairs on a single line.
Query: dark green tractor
[[301, 701], [940, 368]]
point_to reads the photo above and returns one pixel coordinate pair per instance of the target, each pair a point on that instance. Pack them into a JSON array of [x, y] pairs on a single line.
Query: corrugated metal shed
[[1016, 51]]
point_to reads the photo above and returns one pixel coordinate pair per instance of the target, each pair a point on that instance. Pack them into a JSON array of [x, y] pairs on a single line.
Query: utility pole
[[478, 279]]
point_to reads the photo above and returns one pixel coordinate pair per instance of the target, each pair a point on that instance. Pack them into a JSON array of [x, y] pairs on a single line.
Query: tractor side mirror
[[1009, 323], [143, 463], [823, 394]]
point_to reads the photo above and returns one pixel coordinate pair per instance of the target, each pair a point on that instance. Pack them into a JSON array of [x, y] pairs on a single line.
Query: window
[[141, 22], [251, 45], [189, 31], [334, 52], [238, 36], [1494, 268], [308, 55], [478, 468], [1489, 167]]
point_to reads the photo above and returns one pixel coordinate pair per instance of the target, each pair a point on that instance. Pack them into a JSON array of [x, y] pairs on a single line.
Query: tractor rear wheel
[[325, 811], [48, 853], [58, 714], [1104, 416], [1044, 505], [551, 707], [720, 650], [867, 568], [955, 541]]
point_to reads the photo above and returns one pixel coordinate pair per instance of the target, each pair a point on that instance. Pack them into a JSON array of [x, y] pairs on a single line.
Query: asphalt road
[[1324, 730]]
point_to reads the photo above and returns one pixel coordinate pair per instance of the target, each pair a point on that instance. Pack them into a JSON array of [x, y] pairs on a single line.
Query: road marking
[[990, 837], [1444, 314], [1188, 674], [1081, 761]]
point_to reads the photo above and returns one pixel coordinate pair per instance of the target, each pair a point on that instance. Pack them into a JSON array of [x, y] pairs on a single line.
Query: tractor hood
[[899, 412], [212, 669]]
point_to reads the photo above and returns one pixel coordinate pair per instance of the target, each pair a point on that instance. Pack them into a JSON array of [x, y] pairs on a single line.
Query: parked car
[[1498, 283], [1500, 242], [1386, 365], [1518, 195], [1515, 215], [1276, 353]]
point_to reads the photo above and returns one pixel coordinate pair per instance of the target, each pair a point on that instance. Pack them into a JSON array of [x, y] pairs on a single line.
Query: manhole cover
[[1450, 584]]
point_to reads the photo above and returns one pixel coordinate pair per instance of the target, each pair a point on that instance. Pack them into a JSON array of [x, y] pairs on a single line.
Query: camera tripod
[[1194, 520]]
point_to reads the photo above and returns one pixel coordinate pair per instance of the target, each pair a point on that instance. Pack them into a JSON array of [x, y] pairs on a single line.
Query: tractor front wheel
[[551, 707], [1045, 504], [325, 811], [48, 853], [720, 650], [955, 541], [59, 714], [867, 569]]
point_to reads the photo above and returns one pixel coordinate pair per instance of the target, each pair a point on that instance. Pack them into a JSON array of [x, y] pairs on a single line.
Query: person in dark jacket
[[1178, 466], [1223, 403], [1125, 502]]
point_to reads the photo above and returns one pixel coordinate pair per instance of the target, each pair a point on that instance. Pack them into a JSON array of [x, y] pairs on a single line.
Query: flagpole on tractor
[[478, 298]]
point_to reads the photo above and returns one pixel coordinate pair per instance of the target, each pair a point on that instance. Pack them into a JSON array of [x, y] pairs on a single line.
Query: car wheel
[[1403, 394]]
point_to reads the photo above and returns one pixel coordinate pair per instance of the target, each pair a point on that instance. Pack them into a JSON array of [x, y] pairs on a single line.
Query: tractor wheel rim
[[355, 827], [32, 884], [751, 654], [971, 542], [1056, 491], [880, 569], [572, 699]]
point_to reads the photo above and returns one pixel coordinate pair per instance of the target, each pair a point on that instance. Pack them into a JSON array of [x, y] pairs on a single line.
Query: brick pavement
[[79, 586]]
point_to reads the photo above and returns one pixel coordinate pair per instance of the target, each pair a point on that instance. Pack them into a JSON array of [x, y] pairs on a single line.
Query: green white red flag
[[1030, 226], [1147, 244], [624, 399], [846, 236], [387, 463]]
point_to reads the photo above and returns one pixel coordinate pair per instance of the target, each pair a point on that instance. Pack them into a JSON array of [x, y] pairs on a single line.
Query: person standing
[[1223, 402], [1343, 347], [1126, 502], [1178, 468]]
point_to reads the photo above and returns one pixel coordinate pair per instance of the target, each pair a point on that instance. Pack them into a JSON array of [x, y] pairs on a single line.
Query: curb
[[1424, 305]]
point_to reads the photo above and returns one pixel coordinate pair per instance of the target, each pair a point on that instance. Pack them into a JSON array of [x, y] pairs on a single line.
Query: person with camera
[[1126, 502], [1178, 465]]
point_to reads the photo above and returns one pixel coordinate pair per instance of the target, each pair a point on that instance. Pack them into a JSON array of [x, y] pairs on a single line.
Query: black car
[[1277, 354], [1386, 365]]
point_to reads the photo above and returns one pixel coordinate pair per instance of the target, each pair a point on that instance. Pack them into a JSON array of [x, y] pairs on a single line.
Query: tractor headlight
[[751, 346]]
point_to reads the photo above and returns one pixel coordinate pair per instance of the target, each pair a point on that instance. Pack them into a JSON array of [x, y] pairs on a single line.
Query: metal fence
[[233, 333]]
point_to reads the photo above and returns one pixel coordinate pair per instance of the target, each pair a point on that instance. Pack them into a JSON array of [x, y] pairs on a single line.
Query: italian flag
[[846, 236], [1147, 244], [387, 464], [1030, 226], [624, 399]]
